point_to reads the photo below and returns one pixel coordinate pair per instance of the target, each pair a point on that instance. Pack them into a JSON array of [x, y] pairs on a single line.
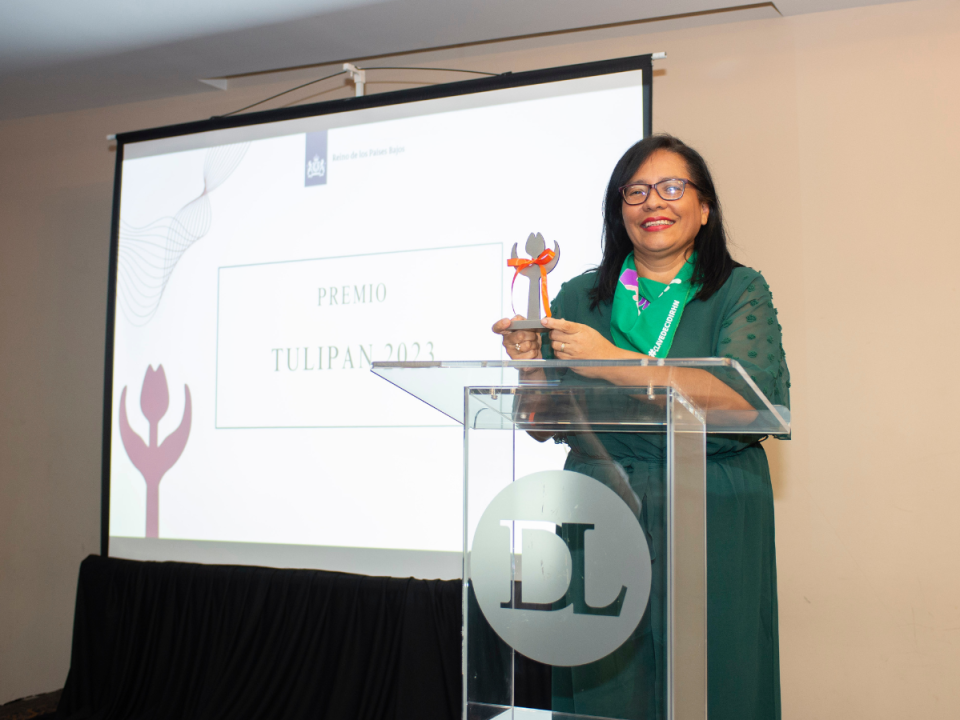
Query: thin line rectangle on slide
[[295, 340]]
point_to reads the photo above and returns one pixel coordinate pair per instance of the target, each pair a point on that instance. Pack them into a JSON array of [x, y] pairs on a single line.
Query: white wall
[[834, 143]]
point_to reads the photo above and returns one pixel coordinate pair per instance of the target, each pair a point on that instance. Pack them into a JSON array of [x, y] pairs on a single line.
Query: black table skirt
[[178, 640]]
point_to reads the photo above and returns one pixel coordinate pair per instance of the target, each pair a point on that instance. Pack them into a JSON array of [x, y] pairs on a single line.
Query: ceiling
[[62, 55]]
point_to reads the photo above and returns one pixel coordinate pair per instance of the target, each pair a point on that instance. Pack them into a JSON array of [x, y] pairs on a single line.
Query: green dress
[[739, 321]]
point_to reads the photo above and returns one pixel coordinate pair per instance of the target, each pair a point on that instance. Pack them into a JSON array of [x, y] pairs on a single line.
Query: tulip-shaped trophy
[[535, 269]]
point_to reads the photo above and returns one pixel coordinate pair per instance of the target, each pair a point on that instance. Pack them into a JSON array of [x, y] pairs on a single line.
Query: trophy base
[[534, 325]]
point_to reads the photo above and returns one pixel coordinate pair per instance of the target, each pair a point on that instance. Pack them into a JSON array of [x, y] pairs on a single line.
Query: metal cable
[[342, 72], [273, 97], [472, 72]]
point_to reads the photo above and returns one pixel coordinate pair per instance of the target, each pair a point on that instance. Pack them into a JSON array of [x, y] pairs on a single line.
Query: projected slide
[[262, 269]]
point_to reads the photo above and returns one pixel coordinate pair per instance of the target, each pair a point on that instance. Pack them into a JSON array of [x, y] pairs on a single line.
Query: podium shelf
[[560, 399]]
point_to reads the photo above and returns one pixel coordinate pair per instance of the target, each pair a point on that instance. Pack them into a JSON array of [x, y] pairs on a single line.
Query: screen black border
[[397, 97]]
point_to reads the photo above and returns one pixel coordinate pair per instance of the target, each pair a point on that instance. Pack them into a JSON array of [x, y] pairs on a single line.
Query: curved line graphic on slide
[[149, 254], [154, 460]]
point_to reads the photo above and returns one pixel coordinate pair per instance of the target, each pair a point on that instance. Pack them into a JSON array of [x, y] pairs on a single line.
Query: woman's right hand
[[525, 345], [519, 344]]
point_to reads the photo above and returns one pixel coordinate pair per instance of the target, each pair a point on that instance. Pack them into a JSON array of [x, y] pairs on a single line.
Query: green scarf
[[645, 312]]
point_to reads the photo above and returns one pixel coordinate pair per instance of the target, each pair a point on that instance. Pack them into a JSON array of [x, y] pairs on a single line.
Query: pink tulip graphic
[[152, 460]]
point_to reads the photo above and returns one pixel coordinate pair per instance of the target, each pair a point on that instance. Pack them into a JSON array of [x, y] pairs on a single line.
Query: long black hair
[[713, 264]]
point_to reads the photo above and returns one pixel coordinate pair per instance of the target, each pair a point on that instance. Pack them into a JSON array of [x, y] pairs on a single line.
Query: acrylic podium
[[598, 571]]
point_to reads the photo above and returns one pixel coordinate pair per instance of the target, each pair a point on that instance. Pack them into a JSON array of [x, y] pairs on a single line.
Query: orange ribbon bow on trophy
[[519, 264]]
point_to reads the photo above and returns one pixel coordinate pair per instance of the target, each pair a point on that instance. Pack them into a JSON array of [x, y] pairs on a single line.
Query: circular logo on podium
[[584, 569]]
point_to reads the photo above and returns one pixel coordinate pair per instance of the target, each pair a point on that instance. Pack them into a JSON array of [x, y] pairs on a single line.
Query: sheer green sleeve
[[751, 335]]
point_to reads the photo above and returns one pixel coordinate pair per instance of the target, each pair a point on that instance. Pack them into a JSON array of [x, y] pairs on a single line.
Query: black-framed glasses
[[670, 189]]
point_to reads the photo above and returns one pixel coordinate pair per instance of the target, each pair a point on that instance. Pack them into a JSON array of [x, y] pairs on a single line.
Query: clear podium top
[[567, 394]]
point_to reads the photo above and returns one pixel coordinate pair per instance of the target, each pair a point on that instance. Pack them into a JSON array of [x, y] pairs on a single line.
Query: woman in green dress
[[668, 287]]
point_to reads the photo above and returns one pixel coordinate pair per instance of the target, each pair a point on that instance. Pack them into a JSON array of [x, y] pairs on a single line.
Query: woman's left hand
[[574, 341]]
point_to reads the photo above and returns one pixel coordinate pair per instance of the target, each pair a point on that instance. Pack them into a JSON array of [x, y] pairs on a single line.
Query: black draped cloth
[[177, 640]]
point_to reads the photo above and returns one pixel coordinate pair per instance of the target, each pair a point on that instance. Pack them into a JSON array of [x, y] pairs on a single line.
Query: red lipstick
[[666, 222]]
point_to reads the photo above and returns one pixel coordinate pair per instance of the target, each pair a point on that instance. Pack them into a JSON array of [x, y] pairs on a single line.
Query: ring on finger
[[562, 346], [517, 346]]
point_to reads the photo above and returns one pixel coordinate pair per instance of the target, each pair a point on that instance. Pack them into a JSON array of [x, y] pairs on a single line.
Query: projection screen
[[260, 264]]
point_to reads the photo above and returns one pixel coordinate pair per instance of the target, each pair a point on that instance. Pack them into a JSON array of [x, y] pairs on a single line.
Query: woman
[[668, 287]]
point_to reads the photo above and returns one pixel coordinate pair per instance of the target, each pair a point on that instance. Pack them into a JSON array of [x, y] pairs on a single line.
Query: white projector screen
[[265, 265]]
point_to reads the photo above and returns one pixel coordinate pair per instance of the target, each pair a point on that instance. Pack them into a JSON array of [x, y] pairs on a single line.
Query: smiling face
[[659, 229]]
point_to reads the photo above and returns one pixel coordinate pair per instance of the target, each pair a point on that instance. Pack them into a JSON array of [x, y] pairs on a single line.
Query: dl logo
[[584, 591]]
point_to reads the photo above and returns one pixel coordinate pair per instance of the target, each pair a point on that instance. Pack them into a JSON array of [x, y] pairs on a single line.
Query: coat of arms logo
[[316, 167]]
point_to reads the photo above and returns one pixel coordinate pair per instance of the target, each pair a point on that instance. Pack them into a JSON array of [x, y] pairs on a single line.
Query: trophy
[[535, 269]]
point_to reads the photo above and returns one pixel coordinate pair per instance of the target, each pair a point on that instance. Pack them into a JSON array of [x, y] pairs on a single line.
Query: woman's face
[[661, 228]]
